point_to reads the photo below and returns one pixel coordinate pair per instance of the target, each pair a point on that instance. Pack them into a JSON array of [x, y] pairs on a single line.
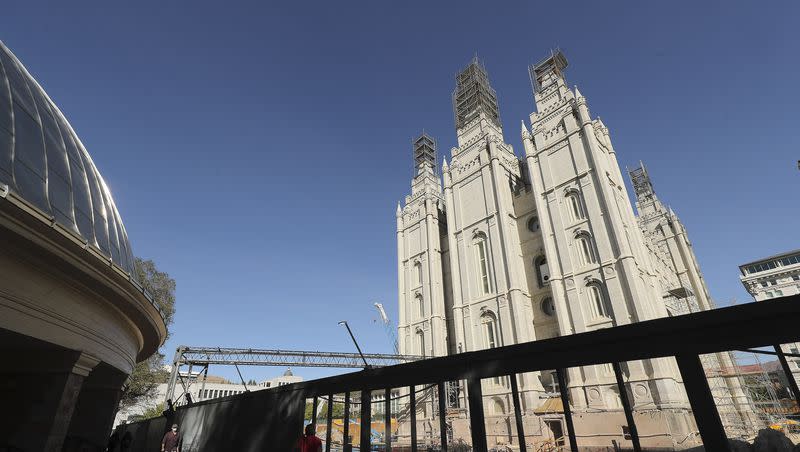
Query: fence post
[[518, 413], [476, 421], [705, 410]]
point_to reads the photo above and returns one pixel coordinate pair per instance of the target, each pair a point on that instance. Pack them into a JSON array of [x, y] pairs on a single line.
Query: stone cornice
[[65, 251]]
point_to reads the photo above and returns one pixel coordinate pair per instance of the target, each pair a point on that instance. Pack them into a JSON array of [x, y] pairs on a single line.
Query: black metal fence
[[439, 403]]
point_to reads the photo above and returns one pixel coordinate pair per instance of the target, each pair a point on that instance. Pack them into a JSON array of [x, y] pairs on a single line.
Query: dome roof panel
[[43, 161]]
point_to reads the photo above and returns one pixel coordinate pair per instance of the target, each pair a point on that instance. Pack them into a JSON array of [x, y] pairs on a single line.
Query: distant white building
[[212, 388], [774, 276]]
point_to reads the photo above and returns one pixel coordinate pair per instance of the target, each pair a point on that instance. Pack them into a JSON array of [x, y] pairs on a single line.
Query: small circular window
[[548, 307], [533, 224]]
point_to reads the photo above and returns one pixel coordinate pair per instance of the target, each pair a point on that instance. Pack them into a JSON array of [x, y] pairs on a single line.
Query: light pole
[[344, 322]]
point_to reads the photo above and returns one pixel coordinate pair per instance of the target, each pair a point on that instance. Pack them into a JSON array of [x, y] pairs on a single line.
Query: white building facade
[[772, 277], [200, 390], [502, 249]]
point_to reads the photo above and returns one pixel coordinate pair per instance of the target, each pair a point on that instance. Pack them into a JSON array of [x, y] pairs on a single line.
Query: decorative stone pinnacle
[[525, 133]]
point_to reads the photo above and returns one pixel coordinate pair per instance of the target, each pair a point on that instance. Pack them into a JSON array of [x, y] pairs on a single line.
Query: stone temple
[[498, 249]]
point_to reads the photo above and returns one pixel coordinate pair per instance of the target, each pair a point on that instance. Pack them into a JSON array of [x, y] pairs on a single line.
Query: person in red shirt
[[172, 440], [309, 441]]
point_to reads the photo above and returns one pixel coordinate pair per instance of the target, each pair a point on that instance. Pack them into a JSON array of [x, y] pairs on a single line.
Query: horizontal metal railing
[[684, 337]]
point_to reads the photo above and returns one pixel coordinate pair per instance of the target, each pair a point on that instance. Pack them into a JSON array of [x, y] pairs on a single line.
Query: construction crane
[[387, 325]]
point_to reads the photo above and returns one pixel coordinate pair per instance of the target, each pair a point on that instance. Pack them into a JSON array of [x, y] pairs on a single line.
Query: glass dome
[[43, 161]]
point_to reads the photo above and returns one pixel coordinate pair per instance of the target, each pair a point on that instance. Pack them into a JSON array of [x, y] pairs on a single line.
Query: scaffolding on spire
[[555, 63], [424, 148], [642, 186], [474, 95]]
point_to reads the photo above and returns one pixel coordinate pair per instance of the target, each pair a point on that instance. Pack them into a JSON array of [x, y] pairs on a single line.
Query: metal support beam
[[477, 424], [366, 427], [441, 393], [562, 388], [702, 401], [329, 425], [204, 356], [626, 405], [346, 432], [203, 386], [314, 411], [518, 413], [413, 402], [387, 419], [788, 372]]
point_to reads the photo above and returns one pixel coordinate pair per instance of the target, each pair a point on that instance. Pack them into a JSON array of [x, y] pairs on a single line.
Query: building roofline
[[769, 258]]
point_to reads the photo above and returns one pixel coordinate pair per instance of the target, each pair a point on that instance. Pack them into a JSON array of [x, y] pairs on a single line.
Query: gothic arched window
[[542, 271], [586, 249], [420, 342], [491, 337], [575, 206], [418, 273], [596, 300], [482, 263], [489, 324], [420, 306]]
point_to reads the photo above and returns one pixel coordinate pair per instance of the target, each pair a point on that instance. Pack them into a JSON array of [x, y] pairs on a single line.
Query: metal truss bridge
[[198, 359]]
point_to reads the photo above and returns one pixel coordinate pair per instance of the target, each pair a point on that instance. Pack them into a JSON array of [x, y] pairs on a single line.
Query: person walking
[[172, 440], [309, 441]]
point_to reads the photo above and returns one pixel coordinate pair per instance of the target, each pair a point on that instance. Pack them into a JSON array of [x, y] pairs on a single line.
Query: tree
[[153, 411], [141, 384]]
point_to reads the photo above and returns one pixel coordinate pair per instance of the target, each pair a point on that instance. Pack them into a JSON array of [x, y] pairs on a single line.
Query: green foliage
[[141, 384], [150, 413], [160, 286], [338, 411], [148, 374]]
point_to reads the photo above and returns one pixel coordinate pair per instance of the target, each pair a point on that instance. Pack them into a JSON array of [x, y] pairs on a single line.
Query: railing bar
[[788, 371], [329, 424], [626, 405], [314, 411], [702, 401], [518, 413], [366, 402], [477, 422], [413, 418], [346, 427], [562, 386], [387, 419], [442, 416]]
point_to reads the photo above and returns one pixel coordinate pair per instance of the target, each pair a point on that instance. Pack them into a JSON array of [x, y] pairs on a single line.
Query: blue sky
[[257, 151]]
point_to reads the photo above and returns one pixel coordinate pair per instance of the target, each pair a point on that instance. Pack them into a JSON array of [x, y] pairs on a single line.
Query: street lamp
[[344, 322]]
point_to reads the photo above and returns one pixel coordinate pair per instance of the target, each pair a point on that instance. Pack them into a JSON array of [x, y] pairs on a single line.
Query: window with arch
[[419, 305], [489, 324], [498, 407], [420, 342], [586, 249], [533, 224], [596, 300], [548, 306], [542, 271], [491, 338], [482, 261], [418, 273], [575, 205]]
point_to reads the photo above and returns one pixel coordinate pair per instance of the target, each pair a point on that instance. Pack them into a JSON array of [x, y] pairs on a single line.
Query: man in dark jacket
[[172, 440]]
